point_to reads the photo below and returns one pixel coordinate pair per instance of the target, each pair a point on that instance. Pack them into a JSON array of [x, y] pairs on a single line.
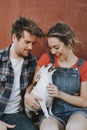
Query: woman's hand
[[5, 126], [53, 91], [32, 101]]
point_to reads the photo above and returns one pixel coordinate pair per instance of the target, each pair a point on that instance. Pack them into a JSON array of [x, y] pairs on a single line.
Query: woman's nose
[[53, 51]]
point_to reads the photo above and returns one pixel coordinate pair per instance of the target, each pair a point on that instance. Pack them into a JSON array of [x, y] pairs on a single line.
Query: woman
[[69, 87]]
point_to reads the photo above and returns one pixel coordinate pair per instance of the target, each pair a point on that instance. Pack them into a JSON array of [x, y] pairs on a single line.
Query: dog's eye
[[46, 65]]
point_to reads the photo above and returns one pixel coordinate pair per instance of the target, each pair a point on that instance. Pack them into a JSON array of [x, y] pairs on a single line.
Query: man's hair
[[22, 24]]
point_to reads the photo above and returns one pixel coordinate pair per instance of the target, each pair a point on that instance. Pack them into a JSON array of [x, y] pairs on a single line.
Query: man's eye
[[33, 43], [27, 42], [57, 48]]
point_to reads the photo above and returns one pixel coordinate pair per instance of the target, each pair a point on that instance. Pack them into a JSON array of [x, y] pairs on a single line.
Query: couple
[[17, 70]]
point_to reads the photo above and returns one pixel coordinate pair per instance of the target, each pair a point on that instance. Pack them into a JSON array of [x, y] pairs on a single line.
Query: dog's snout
[[51, 68]]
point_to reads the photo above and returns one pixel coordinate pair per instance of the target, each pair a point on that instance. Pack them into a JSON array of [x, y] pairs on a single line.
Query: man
[[17, 68]]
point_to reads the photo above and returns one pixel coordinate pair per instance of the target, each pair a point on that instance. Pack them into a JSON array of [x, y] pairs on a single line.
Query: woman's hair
[[22, 24], [64, 33]]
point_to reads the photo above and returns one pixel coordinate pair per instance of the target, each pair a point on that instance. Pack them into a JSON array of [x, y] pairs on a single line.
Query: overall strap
[[80, 62], [51, 58]]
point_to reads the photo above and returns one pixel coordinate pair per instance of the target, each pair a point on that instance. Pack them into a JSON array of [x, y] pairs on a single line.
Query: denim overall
[[68, 81]]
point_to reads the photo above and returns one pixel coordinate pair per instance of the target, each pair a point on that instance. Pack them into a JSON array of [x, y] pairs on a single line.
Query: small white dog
[[40, 89]]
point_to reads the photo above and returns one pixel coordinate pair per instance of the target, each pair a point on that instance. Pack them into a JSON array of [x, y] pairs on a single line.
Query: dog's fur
[[40, 89]]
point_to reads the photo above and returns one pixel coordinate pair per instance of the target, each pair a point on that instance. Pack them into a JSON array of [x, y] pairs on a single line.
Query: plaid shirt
[[7, 76]]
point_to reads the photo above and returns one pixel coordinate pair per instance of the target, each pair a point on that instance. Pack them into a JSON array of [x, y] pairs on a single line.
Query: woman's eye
[[50, 48], [56, 48]]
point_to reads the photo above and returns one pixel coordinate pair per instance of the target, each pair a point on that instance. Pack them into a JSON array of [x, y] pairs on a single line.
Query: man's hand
[[4, 126], [33, 101]]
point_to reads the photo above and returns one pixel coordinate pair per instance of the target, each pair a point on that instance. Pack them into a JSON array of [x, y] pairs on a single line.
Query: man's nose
[[30, 46]]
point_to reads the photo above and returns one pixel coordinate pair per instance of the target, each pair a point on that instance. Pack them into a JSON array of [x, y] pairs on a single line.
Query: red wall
[[45, 13]]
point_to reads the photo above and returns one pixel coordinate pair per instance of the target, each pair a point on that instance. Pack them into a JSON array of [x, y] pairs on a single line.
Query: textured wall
[[45, 13]]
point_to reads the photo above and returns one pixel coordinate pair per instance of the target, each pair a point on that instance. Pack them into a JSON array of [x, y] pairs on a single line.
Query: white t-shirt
[[15, 97]]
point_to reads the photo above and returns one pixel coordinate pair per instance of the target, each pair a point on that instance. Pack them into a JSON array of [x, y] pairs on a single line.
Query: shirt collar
[[5, 56]]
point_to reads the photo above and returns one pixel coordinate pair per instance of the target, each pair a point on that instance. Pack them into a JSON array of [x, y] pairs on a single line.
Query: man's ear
[[14, 38]]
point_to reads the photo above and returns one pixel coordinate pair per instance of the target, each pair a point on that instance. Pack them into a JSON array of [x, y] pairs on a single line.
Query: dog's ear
[[37, 77]]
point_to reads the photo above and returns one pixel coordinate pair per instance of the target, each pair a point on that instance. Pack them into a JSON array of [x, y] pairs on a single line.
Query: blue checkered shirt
[[7, 76]]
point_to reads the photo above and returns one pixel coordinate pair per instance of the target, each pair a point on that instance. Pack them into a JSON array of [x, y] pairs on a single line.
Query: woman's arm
[[30, 99], [28, 90], [80, 101]]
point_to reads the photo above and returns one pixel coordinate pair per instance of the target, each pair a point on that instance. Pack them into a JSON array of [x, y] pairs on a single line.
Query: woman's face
[[58, 48]]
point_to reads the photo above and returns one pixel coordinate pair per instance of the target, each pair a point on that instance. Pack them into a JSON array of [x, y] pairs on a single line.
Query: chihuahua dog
[[44, 77]]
